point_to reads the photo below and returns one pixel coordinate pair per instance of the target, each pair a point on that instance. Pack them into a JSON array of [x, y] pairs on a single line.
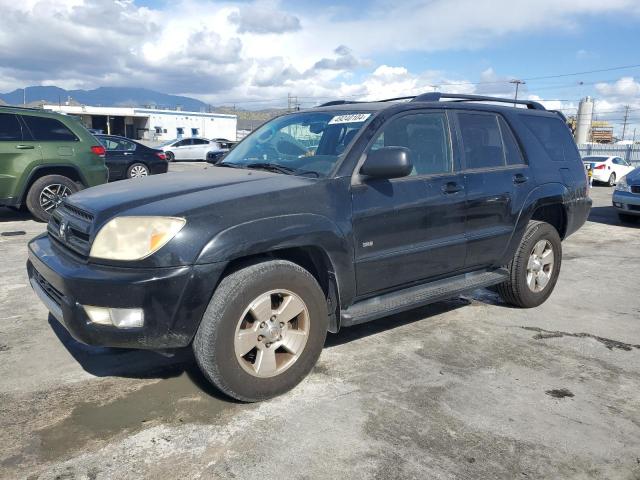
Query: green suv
[[44, 157]]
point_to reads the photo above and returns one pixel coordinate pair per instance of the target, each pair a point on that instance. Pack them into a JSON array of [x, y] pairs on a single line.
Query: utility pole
[[517, 83], [24, 96], [626, 117]]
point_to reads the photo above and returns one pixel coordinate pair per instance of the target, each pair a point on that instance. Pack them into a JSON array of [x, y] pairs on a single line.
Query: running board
[[395, 302]]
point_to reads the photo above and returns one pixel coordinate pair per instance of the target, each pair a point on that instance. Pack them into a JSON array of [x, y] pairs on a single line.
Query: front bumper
[[626, 202], [173, 299]]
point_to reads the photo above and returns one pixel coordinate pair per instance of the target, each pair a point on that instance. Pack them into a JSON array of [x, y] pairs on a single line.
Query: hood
[[633, 177], [180, 193]]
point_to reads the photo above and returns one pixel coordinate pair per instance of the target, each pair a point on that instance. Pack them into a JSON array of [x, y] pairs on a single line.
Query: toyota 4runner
[[320, 219]]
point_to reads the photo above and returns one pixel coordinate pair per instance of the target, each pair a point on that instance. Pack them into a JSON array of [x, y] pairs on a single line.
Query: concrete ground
[[468, 388]]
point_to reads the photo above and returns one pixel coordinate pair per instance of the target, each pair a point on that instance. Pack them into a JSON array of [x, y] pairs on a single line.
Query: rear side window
[[482, 140], [10, 129], [512, 150], [554, 137], [425, 135], [46, 129]]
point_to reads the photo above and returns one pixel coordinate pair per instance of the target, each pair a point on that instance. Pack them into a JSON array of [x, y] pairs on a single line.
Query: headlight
[[134, 238], [622, 185]]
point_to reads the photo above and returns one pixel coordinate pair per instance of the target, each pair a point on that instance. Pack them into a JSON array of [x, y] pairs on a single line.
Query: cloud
[[624, 88], [263, 17], [344, 60], [235, 51]]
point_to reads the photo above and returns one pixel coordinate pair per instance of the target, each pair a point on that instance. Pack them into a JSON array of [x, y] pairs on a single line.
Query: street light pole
[[517, 83]]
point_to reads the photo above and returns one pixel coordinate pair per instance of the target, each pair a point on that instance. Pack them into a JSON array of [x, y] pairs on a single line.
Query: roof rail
[[15, 107], [337, 102], [462, 97]]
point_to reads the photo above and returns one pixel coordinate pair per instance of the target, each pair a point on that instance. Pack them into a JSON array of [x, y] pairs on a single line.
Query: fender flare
[[271, 234], [542, 195]]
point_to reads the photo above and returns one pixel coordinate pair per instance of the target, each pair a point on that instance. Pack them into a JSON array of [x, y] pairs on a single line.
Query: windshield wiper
[[272, 167], [228, 165]]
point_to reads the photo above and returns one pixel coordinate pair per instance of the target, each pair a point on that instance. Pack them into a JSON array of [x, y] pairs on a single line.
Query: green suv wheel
[[46, 193]]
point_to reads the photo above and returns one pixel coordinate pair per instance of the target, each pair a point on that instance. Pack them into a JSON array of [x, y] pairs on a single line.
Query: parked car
[[215, 156], [129, 159], [626, 196], [193, 148], [254, 261], [225, 143], [607, 169], [44, 157]]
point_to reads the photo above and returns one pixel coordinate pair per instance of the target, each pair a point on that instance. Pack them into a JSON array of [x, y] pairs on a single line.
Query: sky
[[253, 54]]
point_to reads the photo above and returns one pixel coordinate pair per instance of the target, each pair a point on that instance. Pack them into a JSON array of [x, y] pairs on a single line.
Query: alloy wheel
[[271, 333], [51, 196], [540, 266], [138, 171]]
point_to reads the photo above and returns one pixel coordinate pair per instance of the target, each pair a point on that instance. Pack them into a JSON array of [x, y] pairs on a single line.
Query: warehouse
[[152, 124]]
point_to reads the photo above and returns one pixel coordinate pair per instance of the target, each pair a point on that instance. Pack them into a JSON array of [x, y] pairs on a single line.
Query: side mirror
[[387, 162]]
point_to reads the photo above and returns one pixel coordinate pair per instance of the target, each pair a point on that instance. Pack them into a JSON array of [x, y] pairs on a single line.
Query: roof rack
[[462, 97], [337, 102], [456, 97]]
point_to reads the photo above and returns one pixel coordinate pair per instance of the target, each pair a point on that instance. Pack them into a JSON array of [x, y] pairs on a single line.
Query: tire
[[46, 193], [170, 156], [626, 218], [226, 316], [612, 180], [517, 290], [138, 170]]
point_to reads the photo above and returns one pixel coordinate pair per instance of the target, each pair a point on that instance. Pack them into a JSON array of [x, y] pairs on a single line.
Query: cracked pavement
[[467, 388]]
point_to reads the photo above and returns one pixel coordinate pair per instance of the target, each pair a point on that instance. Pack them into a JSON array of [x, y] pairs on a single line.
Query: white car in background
[[192, 148], [607, 169]]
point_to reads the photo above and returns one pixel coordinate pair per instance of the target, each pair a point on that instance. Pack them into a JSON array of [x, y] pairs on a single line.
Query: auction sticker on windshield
[[351, 118]]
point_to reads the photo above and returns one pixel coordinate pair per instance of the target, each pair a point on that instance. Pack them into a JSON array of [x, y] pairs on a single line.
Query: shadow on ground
[[10, 215]]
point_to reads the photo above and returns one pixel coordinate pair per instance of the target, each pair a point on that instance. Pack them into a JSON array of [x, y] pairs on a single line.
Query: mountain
[[105, 97]]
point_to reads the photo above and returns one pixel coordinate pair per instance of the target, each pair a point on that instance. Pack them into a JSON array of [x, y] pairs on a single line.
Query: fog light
[[116, 317]]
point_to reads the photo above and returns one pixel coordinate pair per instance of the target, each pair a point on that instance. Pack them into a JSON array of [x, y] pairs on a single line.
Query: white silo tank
[[583, 122]]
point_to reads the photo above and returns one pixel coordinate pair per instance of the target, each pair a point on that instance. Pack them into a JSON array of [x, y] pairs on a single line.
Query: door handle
[[520, 178], [128, 153], [451, 187], [25, 147]]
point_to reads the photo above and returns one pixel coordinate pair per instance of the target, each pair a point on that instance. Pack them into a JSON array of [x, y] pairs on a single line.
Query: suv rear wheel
[[535, 267], [46, 193], [263, 330]]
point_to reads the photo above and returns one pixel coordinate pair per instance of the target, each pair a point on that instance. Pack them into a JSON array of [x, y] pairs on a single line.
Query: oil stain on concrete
[[172, 401]]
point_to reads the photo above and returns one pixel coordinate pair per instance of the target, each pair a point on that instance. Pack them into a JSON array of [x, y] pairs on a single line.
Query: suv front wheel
[[46, 193], [535, 267], [263, 330]]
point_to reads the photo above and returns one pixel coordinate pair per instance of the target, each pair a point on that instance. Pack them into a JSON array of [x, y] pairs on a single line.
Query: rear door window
[[46, 129], [512, 150], [10, 129], [482, 140], [554, 136]]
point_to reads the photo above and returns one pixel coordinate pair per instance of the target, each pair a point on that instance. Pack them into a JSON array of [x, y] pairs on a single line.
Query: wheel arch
[[66, 170], [312, 241]]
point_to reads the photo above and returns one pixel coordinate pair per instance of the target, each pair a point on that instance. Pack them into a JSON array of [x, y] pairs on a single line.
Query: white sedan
[[607, 169], [193, 148]]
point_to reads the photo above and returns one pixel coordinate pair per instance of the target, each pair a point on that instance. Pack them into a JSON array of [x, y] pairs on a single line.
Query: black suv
[[318, 220]]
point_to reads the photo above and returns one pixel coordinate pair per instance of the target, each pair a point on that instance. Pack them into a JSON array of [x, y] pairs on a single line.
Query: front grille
[[77, 212], [635, 208], [53, 293], [635, 188], [76, 234]]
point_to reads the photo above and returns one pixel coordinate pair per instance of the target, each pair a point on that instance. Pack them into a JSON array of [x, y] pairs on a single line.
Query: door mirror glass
[[387, 162]]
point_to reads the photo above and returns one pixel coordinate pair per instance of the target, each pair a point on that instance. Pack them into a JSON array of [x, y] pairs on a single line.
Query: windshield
[[307, 143]]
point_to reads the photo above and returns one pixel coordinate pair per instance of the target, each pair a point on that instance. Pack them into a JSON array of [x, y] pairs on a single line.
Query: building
[[152, 124]]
